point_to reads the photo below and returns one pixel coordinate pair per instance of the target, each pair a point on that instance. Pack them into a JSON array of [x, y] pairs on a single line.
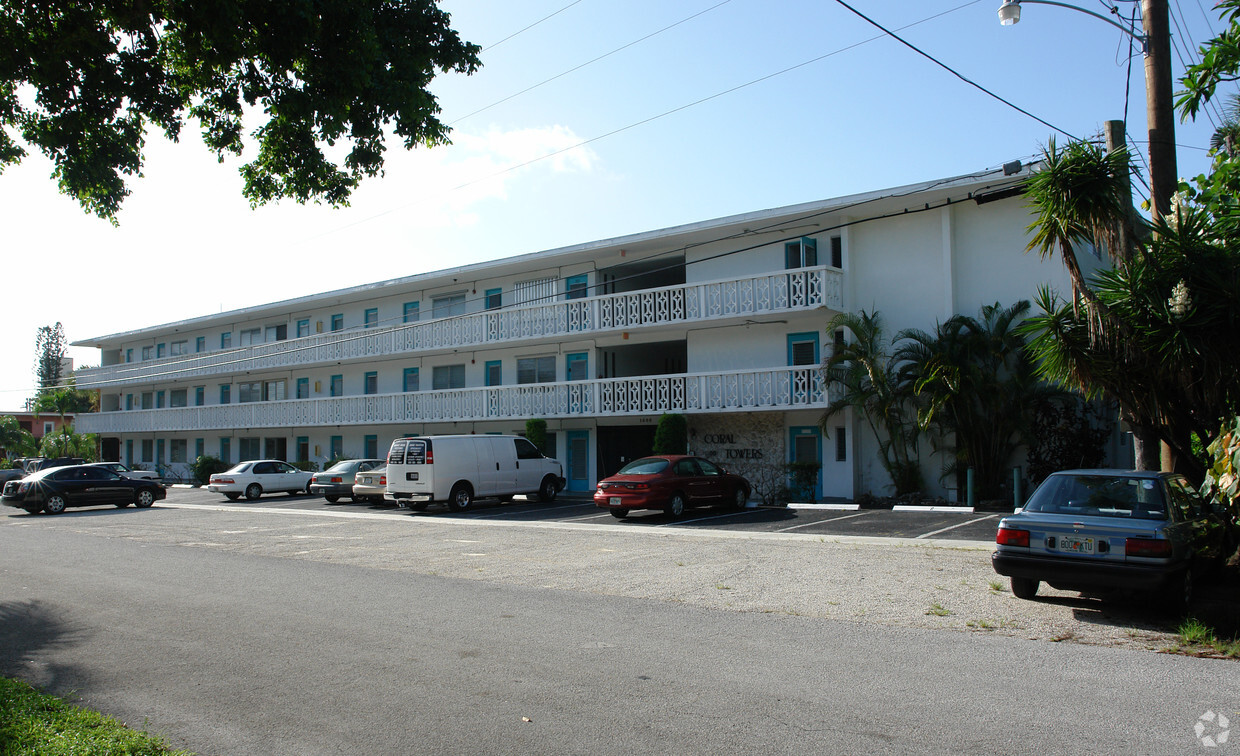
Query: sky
[[592, 119]]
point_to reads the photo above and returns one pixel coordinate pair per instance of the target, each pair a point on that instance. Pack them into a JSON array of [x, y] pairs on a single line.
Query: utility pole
[[1159, 106]]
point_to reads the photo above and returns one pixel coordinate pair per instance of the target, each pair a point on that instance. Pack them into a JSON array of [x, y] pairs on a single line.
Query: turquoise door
[[577, 464]]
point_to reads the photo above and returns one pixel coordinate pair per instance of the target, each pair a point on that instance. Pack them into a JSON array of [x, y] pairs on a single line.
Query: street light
[[1009, 13], [1160, 110]]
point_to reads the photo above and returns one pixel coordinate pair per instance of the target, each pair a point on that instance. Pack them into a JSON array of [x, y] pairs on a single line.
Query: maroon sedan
[[671, 483]]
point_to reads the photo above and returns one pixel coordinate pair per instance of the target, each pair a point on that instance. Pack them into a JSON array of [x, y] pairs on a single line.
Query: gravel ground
[[946, 585]]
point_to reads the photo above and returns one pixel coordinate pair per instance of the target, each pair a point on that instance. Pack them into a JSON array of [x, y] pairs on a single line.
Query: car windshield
[[1100, 496], [344, 466], [645, 466], [239, 467]]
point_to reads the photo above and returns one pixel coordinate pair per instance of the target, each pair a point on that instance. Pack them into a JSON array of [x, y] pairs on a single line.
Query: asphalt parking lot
[[579, 509]]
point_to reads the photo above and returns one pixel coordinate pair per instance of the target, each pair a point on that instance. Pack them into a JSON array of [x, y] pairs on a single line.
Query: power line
[[531, 26], [588, 62], [952, 71]]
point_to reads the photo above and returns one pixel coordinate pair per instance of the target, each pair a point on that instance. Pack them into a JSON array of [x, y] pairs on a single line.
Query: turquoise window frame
[[128, 401], [226, 340], [303, 383], [303, 328], [367, 378], [200, 344], [128, 355], [335, 447], [801, 338], [159, 399], [225, 449], [410, 372], [302, 448], [129, 460], [494, 299], [225, 393], [577, 287], [200, 447], [370, 446], [200, 396], [370, 318], [496, 365], [159, 451], [161, 351], [337, 322], [336, 385], [572, 359], [796, 253], [409, 312]]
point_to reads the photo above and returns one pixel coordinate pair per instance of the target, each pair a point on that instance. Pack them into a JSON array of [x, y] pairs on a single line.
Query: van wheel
[[548, 489], [461, 497]]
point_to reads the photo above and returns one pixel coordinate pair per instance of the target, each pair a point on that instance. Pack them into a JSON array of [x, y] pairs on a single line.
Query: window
[[147, 353], [802, 253], [199, 447], [837, 252], [447, 306], [303, 328], [336, 447], [495, 299], [303, 448], [370, 318], [370, 446], [337, 322], [128, 401], [129, 452], [527, 450], [200, 396], [303, 388], [803, 349], [159, 451], [161, 351], [370, 383], [251, 336], [536, 369], [337, 385], [837, 341], [841, 444], [577, 287], [48, 428], [410, 312], [148, 450], [179, 398], [225, 393], [277, 332], [250, 448], [180, 347], [225, 449], [575, 366], [128, 355], [410, 382], [250, 392], [159, 400], [148, 400], [178, 450], [274, 391], [226, 340], [200, 345], [540, 290], [494, 374], [448, 377]]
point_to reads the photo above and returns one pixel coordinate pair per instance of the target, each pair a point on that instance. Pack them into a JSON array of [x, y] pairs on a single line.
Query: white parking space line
[[704, 519], [819, 522], [510, 512], [961, 525]]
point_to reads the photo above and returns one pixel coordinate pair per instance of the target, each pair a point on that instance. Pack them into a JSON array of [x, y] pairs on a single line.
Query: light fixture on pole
[[1009, 13]]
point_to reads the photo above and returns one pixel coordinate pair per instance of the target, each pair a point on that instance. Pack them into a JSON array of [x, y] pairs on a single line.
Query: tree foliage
[[67, 443], [977, 389], [871, 385], [325, 74], [671, 436], [15, 440], [49, 348]]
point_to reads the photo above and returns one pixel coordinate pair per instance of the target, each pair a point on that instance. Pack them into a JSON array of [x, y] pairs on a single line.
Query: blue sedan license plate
[[1075, 545]]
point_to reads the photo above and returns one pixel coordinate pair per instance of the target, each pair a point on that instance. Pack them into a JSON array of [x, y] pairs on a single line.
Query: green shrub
[[305, 465], [205, 466], [536, 433], [672, 435]]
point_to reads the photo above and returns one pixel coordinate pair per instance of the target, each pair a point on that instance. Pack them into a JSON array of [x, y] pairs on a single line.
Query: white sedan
[[260, 476], [127, 472]]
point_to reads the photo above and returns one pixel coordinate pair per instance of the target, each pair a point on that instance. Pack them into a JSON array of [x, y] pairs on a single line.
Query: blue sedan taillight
[[1012, 537]]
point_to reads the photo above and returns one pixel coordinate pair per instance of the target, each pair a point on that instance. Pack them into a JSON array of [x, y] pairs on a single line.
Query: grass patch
[[1200, 639], [36, 723], [937, 610], [996, 586]]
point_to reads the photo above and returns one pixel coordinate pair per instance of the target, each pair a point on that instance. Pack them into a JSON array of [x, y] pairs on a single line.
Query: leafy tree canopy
[[49, 347], [321, 71]]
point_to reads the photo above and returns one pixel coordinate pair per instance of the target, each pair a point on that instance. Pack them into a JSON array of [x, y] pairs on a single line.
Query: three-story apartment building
[[721, 320]]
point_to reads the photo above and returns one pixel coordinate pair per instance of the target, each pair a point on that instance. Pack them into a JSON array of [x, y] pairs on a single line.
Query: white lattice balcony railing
[[799, 289], [752, 390]]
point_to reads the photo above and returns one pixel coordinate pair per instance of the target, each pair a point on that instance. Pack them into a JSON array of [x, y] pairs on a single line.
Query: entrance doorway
[[618, 445], [275, 448], [578, 467], [805, 454]]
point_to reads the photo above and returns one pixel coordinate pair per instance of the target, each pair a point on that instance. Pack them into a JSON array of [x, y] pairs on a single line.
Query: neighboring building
[[721, 320], [39, 424]]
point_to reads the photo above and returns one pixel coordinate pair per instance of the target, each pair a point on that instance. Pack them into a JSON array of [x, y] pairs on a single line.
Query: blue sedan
[[1105, 530]]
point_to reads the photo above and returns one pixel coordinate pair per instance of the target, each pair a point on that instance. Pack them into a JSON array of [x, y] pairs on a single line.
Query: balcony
[[785, 291], [774, 389]]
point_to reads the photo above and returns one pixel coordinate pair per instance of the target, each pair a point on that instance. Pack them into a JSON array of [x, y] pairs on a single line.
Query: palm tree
[[1227, 136], [871, 386], [978, 390]]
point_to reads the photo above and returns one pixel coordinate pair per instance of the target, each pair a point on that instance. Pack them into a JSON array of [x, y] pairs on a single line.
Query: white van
[[459, 469]]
